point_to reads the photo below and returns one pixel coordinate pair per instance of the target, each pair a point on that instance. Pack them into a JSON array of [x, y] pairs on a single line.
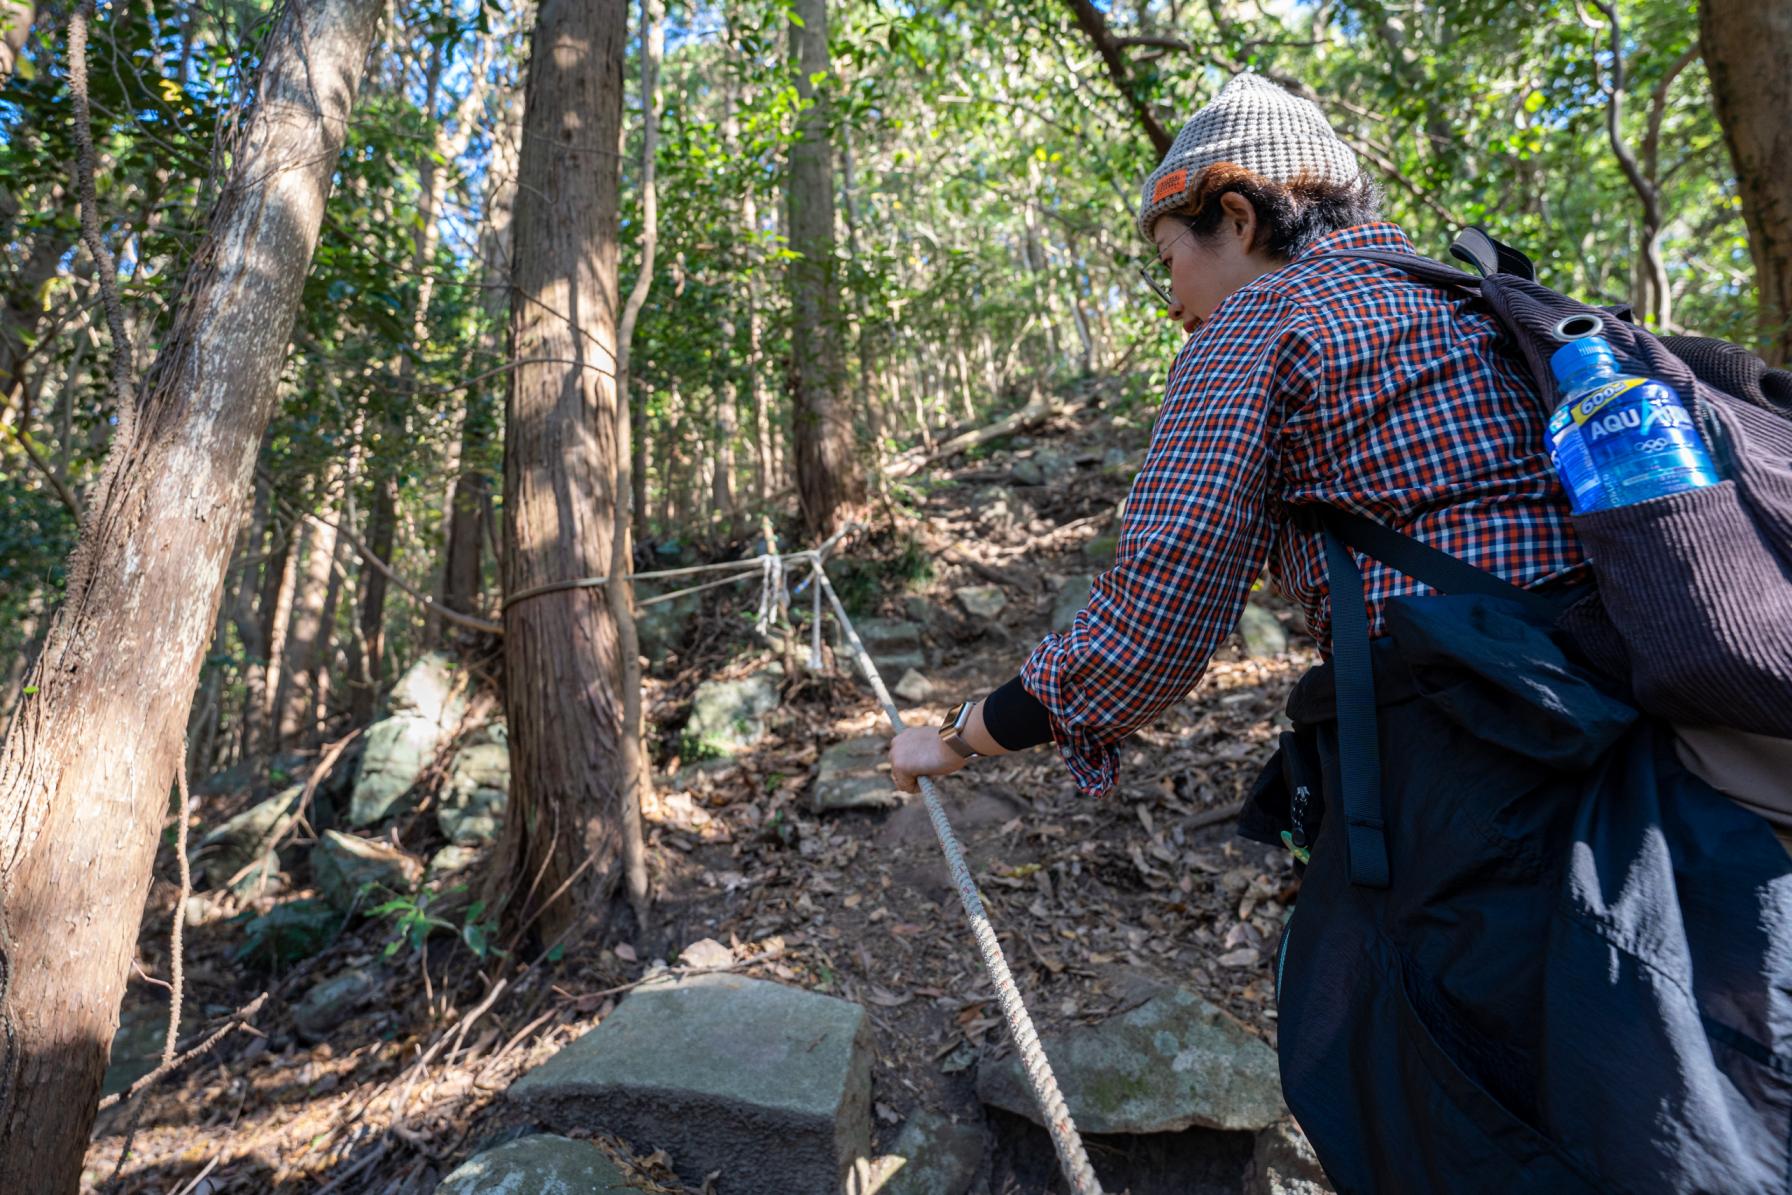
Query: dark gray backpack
[[1694, 602]]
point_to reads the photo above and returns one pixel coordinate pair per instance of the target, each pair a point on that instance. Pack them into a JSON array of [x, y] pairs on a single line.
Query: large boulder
[[243, 846], [855, 775], [728, 716], [539, 1164], [771, 1085], [1174, 1062], [424, 708], [478, 787], [343, 865]]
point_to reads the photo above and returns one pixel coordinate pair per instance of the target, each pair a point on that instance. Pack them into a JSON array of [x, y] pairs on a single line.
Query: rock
[[1263, 636], [933, 1156], [288, 932], [539, 1164], [664, 627], [137, 1045], [982, 601], [1174, 1062], [895, 645], [478, 788], [728, 716], [1283, 1163], [1073, 595], [769, 1084], [450, 860], [329, 1002], [245, 839], [913, 687], [847, 776], [429, 690], [343, 864], [425, 706], [919, 610], [1027, 472]]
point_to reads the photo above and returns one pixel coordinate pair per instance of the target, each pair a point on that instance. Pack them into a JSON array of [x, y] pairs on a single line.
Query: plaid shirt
[[1330, 380]]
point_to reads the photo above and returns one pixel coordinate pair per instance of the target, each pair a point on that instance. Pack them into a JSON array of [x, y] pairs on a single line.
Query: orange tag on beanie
[[1173, 183]]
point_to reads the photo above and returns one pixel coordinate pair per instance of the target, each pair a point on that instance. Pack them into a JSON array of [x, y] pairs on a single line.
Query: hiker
[[1533, 950]]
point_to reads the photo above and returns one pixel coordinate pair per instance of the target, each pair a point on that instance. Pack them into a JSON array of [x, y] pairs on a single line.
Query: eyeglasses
[[1157, 276], [1156, 272]]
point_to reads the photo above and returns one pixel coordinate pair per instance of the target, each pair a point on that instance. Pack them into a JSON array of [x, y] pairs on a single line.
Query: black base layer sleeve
[[1015, 719]]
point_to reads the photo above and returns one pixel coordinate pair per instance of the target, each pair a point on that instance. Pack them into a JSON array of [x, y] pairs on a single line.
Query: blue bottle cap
[[1580, 358]]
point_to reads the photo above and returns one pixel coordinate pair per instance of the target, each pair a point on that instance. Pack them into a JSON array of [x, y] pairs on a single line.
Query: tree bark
[[462, 577], [1748, 54], [382, 532], [88, 762], [561, 847], [827, 472], [308, 631]]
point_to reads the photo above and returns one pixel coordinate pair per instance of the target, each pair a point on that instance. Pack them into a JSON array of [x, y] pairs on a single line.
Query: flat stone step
[[769, 1084], [1174, 1062]]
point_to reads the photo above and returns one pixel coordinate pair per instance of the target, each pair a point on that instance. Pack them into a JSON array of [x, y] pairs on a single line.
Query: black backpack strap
[[1425, 269], [1474, 246], [1359, 747]]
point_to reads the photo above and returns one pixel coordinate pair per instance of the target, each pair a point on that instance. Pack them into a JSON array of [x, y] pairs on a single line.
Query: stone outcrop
[[1174, 1062], [539, 1164], [854, 775], [425, 708], [728, 716], [343, 865], [771, 1085]]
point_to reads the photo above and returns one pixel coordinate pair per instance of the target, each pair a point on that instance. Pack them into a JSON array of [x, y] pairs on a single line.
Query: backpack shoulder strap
[[1359, 752]]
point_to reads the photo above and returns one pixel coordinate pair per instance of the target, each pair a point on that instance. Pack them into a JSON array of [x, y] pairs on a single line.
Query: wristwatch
[[952, 729]]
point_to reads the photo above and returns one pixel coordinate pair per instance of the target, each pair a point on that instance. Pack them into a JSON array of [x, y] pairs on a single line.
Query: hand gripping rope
[[1071, 1156]]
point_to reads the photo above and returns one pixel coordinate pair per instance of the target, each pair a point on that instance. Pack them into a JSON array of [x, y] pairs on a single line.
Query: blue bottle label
[[1641, 442]]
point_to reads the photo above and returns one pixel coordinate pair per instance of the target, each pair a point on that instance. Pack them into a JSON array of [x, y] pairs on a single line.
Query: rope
[[1071, 1156]]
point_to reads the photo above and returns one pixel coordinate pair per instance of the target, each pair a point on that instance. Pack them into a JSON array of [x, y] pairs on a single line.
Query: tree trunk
[[827, 473], [87, 765], [382, 532], [462, 577], [562, 836], [308, 634], [1748, 54]]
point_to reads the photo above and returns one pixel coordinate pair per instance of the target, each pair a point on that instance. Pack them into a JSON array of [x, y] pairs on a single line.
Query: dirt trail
[[1096, 901]]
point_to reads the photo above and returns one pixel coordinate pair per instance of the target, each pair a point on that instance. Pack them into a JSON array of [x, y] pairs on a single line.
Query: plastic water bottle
[[1619, 438]]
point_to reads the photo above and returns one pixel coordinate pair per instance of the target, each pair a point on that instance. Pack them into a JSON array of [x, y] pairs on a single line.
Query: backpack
[[1694, 604], [1533, 951]]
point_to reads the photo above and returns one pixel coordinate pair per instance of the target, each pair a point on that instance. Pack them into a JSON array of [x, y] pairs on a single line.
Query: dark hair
[[1290, 216]]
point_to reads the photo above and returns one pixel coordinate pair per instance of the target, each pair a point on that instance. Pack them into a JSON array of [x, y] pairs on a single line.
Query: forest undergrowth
[[1097, 902]]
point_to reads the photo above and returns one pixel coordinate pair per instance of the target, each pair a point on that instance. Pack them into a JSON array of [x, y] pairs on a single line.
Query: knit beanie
[[1254, 124]]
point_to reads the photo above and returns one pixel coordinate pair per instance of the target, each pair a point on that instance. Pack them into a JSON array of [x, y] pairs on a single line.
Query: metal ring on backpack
[[1577, 327]]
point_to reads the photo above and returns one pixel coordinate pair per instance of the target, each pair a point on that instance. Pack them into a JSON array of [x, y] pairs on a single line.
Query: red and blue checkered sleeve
[[1195, 535]]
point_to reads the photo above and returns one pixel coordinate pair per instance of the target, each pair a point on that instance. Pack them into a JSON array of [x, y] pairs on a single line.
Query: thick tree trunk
[[87, 765], [1748, 54], [827, 473], [562, 839]]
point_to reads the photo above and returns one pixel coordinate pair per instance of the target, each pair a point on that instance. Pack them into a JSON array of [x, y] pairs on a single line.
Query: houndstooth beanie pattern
[[1254, 124]]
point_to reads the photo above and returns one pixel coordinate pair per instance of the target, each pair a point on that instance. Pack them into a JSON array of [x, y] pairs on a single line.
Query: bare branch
[[1090, 19]]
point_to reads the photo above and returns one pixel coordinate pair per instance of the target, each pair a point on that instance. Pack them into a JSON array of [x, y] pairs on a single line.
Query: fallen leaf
[[625, 952]]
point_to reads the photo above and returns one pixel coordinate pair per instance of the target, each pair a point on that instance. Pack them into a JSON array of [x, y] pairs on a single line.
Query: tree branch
[[1090, 19]]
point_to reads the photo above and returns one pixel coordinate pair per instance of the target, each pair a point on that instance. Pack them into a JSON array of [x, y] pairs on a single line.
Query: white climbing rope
[[1071, 1155]]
